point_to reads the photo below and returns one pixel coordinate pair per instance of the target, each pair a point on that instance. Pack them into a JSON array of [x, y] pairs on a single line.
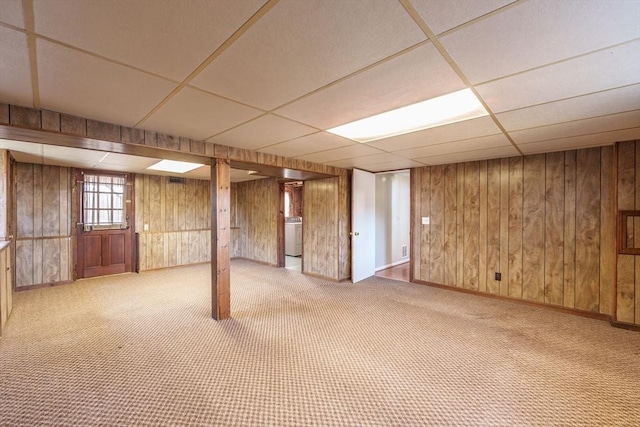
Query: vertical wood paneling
[[515, 227], [450, 201], [482, 285], [588, 229], [471, 225], [554, 228], [627, 171], [504, 226], [320, 216], [636, 234], [24, 263], [607, 230], [416, 249], [436, 254], [425, 206], [25, 199], [533, 216], [344, 218], [493, 225], [569, 228], [460, 205]]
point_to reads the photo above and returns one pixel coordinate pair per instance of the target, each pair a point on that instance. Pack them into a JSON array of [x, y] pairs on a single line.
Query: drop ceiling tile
[[128, 162], [21, 147], [608, 123], [535, 33], [55, 155], [308, 144], [300, 46], [75, 83], [414, 76], [473, 144], [607, 69], [162, 37], [349, 152], [443, 15], [470, 156], [363, 161], [203, 172], [592, 105], [393, 165], [261, 132], [482, 126], [15, 71], [584, 141], [11, 13], [21, 157], [192, 113]]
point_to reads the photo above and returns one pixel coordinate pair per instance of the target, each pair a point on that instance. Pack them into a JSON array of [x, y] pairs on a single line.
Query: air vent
[[176, 180], [404, 251]]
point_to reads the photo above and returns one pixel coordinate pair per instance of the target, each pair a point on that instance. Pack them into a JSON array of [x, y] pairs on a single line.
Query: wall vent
[[176, 180], [404, 251]]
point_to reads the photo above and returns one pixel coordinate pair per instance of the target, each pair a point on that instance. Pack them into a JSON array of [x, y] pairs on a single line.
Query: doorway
[[291, 248], [104, 219]]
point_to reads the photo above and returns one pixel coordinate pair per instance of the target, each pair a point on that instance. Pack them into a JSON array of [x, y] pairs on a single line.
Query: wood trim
[[20, 239], [220, 188], [614, 287], [280, 255], [627, 326], [583, 313], [320, 276], [41, 285], [622, 234]]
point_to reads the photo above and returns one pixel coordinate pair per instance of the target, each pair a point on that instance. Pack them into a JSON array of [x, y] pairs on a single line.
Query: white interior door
[[363, 225]]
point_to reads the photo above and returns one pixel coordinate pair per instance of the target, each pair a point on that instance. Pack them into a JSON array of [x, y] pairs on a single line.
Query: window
[[103, 199], [628, 237]]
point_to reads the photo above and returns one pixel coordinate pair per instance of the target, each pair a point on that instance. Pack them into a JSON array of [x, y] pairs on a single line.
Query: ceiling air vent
[[176, 180]]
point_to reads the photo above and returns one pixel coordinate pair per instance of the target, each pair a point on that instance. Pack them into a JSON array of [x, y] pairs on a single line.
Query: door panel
[[105, 248], [363, 226]]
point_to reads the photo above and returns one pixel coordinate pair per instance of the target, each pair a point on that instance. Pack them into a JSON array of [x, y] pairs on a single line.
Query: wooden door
[[104, 230]]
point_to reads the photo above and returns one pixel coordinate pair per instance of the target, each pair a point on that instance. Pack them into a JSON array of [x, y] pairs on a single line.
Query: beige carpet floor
[[141, 349]]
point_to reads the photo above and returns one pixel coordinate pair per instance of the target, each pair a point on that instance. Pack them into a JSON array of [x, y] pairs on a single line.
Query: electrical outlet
[[498, 276], [146, 227]]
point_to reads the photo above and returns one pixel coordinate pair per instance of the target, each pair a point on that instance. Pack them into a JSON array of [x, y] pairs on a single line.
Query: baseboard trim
[[319, 276], [393, 264], [574, 311], [623, 325], [268, 264], [42, 285]]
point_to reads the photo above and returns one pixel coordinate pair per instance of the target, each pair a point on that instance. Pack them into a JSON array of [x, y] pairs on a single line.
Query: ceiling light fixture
[[443, 110], [174, 166]]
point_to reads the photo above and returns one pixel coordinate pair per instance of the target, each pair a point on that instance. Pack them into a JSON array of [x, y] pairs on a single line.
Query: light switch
[[425, 220]]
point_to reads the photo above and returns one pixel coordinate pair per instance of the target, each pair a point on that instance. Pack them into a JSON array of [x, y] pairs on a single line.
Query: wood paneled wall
[[6, 284], [178, 218], [254, 208], [628, 274], [545, 222], [43, 240]]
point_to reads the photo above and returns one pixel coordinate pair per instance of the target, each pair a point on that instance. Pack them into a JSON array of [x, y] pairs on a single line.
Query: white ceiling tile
[[240, 175], [165, 37], [11, 13], [393, 165], [349, 152], [468, 156], [414, 76], [607, 69], [300, 46], [131, 163], [192, 113], [263, 131], [608, 123], [482, 126], [55, 155], [26, 157], [536, 33], [15, 71], [308, 144], [473, 144], [583, 141], [592, 105], [83, 85], [442, 15], [362, 161], [22, 147]]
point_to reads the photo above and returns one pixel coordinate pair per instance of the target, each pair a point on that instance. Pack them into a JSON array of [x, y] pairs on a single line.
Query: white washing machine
[[293, 238]]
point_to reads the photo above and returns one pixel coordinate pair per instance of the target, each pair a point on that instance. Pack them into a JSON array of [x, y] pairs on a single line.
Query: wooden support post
[[220, 239], [4, 195]]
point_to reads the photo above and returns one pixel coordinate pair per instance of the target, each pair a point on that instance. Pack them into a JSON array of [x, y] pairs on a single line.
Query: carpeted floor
[[142, 350]]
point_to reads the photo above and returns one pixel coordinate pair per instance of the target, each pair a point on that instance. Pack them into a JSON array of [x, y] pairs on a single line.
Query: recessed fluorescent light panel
[[443, 110], [174, 166]]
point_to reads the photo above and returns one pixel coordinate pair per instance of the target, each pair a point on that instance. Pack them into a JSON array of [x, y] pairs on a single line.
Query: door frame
[[76, 196]]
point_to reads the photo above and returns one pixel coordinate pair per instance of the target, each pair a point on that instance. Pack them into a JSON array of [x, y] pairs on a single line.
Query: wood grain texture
[[627, 170], [554, 229], [533, 219], [569, 228], [50, 121], [493, 225], [24, 117], [220, 239], [450, 223], [425, 211], [504, 226], [73, 125], [5, 202], [607, 230], [24, 263], [131, 135], [460, 205], [483, 238], [636, 234], [344, 225], [588, 229], [471, 226], [436, 254], [515, 227], [320, 207], [4, 113], [103, 131], [414, 200]]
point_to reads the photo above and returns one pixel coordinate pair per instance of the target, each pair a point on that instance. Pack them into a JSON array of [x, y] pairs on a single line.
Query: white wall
[[392, 218]]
